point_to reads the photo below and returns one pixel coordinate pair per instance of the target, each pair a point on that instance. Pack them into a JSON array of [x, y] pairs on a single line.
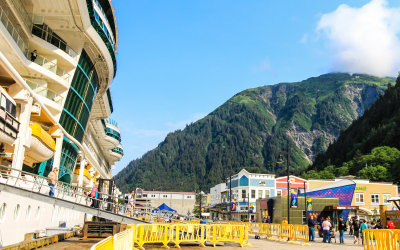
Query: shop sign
[[361, 188]]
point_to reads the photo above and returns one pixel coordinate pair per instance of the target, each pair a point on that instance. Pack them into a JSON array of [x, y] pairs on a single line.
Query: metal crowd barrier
[[381, 239], [176, 233], [154, 233]]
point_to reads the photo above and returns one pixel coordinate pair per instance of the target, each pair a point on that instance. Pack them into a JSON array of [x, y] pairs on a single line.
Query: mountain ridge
[[251, 128]]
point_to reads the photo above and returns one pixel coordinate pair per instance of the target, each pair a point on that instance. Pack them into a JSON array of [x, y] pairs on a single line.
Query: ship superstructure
[[57, 60]]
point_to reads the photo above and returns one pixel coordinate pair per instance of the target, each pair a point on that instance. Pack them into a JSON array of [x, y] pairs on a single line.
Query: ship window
[[16, 212], [3, 211], [37, 213], [28, 213]]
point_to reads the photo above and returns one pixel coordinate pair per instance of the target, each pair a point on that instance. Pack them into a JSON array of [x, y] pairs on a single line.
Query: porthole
[[3, 209], [28, 213], [16, 212], [37, 213]]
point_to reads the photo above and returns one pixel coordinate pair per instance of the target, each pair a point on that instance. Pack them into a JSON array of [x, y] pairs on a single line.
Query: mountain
[[372, 140], [251, 129]]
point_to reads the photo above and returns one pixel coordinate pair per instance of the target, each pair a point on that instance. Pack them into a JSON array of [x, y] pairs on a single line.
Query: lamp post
[[281, 161], [201, 198], [248, 203]]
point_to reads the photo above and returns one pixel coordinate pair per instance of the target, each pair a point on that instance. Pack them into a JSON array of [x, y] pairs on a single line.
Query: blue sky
[[178, 60]]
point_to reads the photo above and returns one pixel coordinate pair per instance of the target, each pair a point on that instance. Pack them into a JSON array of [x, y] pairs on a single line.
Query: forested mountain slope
[[372, 140], [252, 128]]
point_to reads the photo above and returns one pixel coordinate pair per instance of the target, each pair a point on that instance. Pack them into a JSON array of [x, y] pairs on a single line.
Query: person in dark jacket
[[342, 228], [311, 224]]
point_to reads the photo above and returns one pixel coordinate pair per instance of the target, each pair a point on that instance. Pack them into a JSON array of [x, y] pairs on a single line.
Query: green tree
[[374, 173]]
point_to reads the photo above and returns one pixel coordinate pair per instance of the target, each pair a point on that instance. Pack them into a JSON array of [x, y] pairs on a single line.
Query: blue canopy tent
[[163, 208]]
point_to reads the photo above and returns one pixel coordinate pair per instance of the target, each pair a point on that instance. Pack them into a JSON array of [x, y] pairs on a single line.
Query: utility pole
[[288, 183]]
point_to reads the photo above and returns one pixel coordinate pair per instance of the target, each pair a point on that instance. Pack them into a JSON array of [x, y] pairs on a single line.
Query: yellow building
[[367, 195]]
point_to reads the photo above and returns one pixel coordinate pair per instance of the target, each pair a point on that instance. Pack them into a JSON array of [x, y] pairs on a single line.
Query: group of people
[[356, 228]]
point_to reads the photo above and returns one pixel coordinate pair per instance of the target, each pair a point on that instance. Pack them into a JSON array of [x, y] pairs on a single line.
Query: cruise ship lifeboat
[[42, 145], [86, 176]]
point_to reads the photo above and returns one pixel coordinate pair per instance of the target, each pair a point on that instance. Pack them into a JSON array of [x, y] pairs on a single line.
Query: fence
[[381, 239], [174, 233]]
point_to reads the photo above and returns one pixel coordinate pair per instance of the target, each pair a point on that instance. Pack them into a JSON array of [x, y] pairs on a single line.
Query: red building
[[295, 182]]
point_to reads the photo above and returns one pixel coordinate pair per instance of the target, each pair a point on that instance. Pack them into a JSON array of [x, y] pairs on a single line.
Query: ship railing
[[51, 66], [79, 195], [54, 40], [63, 191], [15, 33]]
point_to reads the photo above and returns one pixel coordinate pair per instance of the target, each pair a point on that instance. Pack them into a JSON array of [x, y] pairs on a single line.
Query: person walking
[[94, 195], [363, 227], [33, 55], [326, 226], [342, 228], [53, 177], [389, 223], [131, 202], [311, 228], [356, 228]]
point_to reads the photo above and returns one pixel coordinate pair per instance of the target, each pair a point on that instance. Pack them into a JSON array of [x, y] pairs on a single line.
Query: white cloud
[[365, 39], [264, 66]]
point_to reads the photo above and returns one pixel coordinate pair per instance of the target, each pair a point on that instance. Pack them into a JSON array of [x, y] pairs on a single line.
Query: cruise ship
[[57, 61]]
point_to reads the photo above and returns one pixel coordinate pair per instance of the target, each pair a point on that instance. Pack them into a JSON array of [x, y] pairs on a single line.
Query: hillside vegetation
[[252, 128], [369, 147]]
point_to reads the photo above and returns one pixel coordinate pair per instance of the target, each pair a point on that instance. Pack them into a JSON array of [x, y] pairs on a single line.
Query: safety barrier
[[120, 241], [286, 232], [228, 233], [378, 239], [154, 233], [188, 233], [274, 231], [300, 232]]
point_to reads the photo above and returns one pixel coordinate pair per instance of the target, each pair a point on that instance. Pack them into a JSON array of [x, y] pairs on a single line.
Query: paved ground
[[80, 244], [74, 243]]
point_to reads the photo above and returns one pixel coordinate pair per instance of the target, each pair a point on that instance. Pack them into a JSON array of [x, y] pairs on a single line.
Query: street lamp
[[281, 161], [201, 198]]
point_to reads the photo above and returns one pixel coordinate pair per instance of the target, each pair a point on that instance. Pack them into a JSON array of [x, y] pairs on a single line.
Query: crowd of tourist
[[354, 225]]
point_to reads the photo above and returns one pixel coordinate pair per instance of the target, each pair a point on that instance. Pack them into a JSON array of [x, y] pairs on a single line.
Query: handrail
[[51, 66], [42, 90], [22, 13], [45, 35], [22, 45]]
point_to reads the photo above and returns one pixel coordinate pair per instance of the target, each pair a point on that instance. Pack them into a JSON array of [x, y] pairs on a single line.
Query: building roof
[[332, 185], [169, 192]]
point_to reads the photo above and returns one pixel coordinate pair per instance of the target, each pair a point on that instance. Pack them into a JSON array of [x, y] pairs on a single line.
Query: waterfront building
[[294, 181], [182, 202], [246, 188], [368, 196], [215, 194], [57, 61]]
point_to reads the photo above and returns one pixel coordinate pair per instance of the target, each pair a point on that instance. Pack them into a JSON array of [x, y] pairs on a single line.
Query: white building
[[246, 188], [215, 193]]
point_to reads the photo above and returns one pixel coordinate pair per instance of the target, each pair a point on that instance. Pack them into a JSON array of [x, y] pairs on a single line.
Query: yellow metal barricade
[[274, 231], [254, 229], [223, 233], [396, 234], [286, 232], [378, 239], [153, 233], [188, 233], [264, 229], [124, 240], [300, 232], [106, 244]]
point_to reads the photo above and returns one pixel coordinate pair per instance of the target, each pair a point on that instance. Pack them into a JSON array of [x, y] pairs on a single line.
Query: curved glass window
[[81, 95]]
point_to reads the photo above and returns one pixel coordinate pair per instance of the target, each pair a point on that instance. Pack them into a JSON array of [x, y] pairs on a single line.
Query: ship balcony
[[40, 87], [21, 15], [111, 129], [42, 146], [15, 32], [46, 34], [9, 125], [117, 153], [51, 65]]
